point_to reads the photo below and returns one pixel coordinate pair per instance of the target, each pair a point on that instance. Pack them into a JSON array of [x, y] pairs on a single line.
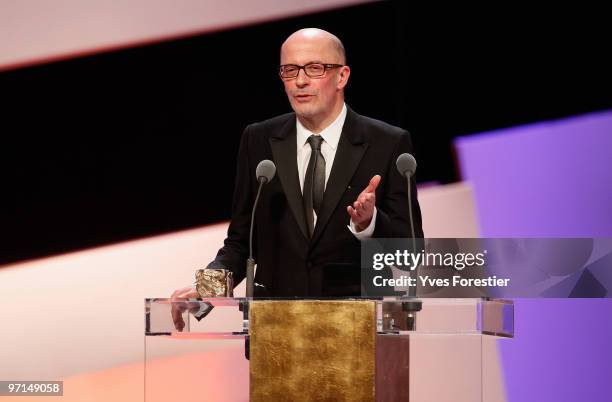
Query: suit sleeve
[[235, 251], [393, 216]]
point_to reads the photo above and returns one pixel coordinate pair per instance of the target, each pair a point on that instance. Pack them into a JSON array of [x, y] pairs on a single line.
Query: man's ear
[[343, 76]]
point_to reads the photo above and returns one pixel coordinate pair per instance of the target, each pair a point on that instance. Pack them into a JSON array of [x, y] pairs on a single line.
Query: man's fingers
[[374, 182], [180, 292], [353, 213], [364, 204], [367, 199], [184, 293], [177, 317], [180, 305]]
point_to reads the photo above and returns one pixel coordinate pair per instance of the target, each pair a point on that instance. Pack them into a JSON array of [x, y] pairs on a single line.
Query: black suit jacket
[[289, 262]]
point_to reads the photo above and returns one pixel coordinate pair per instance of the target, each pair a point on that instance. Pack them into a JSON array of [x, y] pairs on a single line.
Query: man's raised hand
[[363, 208]]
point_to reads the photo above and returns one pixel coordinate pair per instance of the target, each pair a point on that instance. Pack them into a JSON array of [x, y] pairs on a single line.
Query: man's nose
[[302, 79]]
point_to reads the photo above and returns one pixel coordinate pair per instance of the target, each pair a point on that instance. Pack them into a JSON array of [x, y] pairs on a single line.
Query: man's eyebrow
[[310, 62]]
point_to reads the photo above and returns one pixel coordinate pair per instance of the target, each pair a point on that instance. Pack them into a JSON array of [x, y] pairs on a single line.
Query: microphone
[[406, 166], [266, 169]]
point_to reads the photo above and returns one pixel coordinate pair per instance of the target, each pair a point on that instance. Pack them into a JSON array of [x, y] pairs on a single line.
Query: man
[[336, 182]]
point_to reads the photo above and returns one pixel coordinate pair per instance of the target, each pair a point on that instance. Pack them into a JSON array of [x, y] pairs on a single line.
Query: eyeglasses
[[312, 70]]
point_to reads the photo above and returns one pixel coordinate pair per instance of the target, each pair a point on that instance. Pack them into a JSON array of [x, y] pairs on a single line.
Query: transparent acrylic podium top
[[226, 318]]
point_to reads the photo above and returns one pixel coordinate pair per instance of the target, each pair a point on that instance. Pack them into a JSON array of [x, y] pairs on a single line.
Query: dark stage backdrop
[[143, 141]]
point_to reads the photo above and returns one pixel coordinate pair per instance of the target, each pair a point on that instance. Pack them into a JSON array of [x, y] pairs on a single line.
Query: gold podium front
[[312, 350], [346, 350]]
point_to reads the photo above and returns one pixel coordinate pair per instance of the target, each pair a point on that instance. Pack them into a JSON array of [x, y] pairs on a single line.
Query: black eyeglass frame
[[326, 66]]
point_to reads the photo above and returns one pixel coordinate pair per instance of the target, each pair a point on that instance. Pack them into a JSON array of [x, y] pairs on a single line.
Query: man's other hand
[[180, 305]]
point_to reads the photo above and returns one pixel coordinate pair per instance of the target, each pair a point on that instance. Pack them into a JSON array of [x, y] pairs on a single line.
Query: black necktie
[[314, 181]]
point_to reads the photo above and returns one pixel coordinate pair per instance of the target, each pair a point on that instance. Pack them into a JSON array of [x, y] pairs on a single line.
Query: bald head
[[318, 37]]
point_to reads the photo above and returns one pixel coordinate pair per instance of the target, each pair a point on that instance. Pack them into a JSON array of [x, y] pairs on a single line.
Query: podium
[[362, 350]]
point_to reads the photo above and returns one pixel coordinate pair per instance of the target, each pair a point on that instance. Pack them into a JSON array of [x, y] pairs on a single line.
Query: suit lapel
[[351, 149], [284, 149]]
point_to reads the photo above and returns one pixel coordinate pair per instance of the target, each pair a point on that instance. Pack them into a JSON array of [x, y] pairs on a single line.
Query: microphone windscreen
[[266, 169], [406, 164]]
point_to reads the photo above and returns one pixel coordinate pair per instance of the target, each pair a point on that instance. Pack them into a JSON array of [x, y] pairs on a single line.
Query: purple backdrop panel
[[560, 352], [551, 179]]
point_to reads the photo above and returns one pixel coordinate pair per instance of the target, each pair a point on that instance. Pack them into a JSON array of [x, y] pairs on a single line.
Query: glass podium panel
[[434, 350], [203, 362]]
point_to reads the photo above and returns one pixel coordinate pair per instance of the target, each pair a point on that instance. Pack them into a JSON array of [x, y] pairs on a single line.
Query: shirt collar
[[331, 134]]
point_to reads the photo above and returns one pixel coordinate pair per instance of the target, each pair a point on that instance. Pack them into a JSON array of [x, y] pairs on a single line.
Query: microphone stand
[[412, 289], [250, 265], [410, 304]]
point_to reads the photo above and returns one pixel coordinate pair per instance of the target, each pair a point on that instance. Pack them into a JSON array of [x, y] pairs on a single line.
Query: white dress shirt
[[331, 138]]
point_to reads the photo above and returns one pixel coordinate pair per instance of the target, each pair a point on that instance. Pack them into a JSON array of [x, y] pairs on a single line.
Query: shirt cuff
[[367, 232], [205, 308]]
